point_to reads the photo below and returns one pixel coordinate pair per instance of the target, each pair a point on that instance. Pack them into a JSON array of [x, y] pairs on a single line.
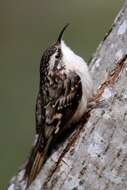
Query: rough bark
[[94, 157]]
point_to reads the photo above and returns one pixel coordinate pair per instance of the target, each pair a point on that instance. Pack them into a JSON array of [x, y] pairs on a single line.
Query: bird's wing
[[64, 94], [40, 113]]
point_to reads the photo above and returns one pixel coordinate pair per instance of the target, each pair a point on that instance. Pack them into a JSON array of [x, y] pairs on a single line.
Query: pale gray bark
[[96, 154]]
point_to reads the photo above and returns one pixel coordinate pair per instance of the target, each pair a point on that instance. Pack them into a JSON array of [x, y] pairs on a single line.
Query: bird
[[65, 89]]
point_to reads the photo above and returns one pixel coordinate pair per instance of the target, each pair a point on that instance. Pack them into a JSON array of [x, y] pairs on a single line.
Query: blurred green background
[[26, 29]]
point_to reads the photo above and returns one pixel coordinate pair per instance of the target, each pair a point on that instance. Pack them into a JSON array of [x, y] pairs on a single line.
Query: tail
[[36, 160]]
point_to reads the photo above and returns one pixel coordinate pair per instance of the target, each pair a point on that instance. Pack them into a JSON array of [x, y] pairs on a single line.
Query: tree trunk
[[94, 156]]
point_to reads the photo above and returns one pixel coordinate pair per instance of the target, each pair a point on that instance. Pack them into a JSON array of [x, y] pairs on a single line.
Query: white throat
[[75, 63]]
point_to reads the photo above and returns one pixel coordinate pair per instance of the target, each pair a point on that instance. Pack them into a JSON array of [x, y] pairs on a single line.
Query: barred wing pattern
[[55, 108]]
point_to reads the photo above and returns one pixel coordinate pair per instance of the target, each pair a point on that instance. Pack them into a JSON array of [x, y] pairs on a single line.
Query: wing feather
[[52, 115]]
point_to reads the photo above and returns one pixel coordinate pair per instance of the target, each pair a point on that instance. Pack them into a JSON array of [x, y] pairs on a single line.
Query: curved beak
[[61, 33]]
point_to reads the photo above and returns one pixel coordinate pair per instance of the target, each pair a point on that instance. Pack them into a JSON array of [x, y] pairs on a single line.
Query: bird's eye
[[57, 56]]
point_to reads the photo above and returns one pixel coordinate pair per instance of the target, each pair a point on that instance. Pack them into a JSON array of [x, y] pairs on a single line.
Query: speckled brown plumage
[[59, 95], [53, 110]]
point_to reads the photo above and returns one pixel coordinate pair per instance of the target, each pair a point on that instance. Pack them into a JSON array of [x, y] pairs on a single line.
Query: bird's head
[[52, 56]]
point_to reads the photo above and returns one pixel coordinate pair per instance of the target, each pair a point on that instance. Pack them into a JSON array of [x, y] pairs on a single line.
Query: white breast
[[75, 63]]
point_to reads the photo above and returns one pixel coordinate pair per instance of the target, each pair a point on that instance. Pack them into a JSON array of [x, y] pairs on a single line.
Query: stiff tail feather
[[36, 161]]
